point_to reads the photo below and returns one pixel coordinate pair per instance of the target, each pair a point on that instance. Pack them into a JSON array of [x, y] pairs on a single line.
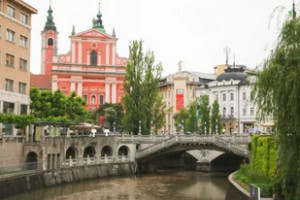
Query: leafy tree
[[215, 119], [110, 116], [20, 121], [181, 120], [204, 114], [192, 120], [118, 108], [277, 94], [46, 105], [141, 98]]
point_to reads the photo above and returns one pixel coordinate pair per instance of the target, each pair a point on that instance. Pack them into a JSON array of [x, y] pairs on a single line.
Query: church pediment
[[93, 34]]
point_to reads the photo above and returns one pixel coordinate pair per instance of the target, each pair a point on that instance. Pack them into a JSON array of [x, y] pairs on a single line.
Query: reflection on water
[[179, 185]]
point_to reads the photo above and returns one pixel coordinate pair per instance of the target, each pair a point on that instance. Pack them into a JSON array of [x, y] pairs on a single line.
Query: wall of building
[[11, 151]]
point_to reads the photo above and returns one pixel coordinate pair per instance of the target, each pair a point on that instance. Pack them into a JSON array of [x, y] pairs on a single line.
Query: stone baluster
[[70, 161]]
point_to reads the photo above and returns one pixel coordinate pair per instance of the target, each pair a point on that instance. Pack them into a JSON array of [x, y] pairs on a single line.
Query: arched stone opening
[[89, 151], [31, 161], [106, 150], [50, 42], [123, 150], [71, 152]]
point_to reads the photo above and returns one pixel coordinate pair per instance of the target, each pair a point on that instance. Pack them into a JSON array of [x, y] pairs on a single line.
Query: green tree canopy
[[215, 119], [142, 101], [204, 115], [277, 93]]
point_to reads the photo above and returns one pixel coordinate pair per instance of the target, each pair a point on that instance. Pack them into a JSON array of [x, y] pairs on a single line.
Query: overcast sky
[[194, 31]]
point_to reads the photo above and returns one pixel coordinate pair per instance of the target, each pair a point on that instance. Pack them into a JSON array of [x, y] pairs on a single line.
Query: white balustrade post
[[123, 157], [88, 159], [105, 158], [70, 161]]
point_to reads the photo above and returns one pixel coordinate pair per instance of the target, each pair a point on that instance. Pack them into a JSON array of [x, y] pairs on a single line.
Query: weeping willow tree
[[277, 93]]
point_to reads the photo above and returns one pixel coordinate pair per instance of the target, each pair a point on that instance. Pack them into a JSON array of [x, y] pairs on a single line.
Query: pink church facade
[[92, 67]]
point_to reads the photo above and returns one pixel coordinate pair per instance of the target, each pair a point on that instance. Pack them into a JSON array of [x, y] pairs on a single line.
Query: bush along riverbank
[[262, 167]]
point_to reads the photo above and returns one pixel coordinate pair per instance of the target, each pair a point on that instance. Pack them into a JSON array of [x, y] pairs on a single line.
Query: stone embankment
[[13, 185]]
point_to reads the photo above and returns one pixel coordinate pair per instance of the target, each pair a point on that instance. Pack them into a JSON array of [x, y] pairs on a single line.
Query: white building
[[178, 91], [233, 91]]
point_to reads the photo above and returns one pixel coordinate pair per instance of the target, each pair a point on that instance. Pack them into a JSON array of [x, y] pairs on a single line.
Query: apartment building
[[15, 28]]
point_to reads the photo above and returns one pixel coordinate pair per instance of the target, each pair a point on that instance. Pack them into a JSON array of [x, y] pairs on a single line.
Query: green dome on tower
[[97, 23], [50, 24]]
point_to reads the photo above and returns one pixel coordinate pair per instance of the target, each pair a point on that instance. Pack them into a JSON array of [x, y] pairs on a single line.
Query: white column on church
[[80, 53], [79, 89], [114, 93], [54, 86], [73, 52], [73, 86], [88, 59], [114, 54], [107, 92], [107, 53]]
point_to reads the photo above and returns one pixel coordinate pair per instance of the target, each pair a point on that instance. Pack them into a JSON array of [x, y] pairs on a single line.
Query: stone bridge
[[184, 143], [66, 151]]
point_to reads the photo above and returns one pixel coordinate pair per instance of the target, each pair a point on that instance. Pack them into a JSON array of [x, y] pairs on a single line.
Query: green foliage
[[119, 112], [181, 120], [204, 115], [264, 155], [277, 93], [47, 105], [216, 123], [246, 176], [110, 116], [20, 121], [142, 101], [192, 120]]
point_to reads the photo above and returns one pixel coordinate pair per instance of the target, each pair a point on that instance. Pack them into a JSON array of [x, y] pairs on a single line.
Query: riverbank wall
[[12, 185]]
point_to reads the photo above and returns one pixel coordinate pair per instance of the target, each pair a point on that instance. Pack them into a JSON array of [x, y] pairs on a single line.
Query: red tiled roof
[[40, 81]]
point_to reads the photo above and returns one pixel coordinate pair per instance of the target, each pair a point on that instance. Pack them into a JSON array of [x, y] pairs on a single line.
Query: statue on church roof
[[97, 23]]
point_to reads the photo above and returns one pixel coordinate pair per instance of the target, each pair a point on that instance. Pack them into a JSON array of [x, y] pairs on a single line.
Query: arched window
[[231, 110], [94, 58], [93, 100], [50, 42], [224, 111]]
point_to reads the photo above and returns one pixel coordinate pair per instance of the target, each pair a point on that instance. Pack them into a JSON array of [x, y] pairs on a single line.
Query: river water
[[170, 186]]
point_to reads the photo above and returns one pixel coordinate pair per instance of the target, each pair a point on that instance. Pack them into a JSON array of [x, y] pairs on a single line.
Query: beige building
[[15, 28], [178, 91]]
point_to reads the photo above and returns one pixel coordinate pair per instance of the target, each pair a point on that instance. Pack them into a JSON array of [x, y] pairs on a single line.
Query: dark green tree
[[120, 113], [141, 98], [110, 116], [215, 119], [181, 120], [277, 93], [192, 120], [204, 115]]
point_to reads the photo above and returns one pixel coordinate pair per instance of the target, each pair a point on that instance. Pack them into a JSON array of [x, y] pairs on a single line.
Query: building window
[[231, 111], [244, 95], [22, 88], [85, 98], [101, 99], [9, 85], [231, 97], [251, 111], [94, 58], [224, 111], [93, 100], [10, 60], [224, 97], [50, 42], [10, 35], [23, 109], [0, 5], [10, 11], [23, 64], [244, 111], [24, 18], [23, 41], [8, 107]]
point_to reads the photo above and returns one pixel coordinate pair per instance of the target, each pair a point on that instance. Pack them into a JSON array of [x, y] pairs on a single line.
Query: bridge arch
[[89, 151], [123, 150], [106, 150], [71, 152], [31, 161]]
